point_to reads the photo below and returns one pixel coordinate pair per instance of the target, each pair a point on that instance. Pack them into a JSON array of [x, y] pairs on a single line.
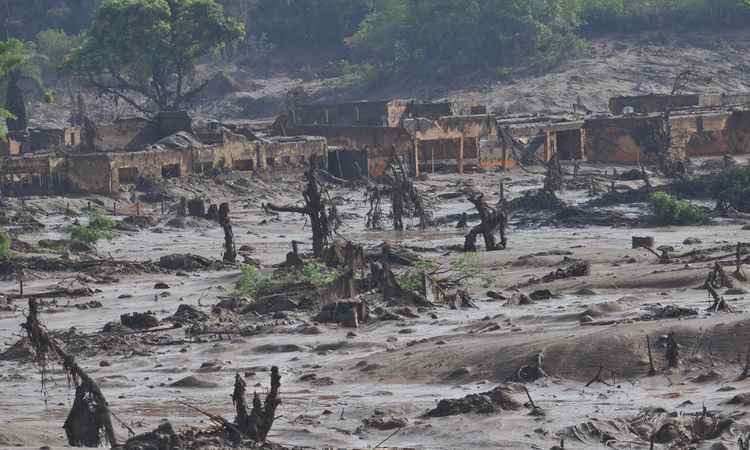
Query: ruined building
[[358, 139], [100, 160]]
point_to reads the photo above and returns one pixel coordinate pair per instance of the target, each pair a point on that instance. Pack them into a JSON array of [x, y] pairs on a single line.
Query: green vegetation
[[252, 281], [467, 264], [671, 211], [148, 49], [99, 227], [731, 187], [54, 45], [317, 274], [14, 58], [5, 242]]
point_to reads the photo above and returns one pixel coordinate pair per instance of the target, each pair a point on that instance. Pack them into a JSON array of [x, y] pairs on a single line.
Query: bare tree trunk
[[88, 423], [230, 252]]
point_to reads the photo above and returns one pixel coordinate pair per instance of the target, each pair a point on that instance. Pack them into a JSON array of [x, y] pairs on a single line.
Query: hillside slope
[[611, 66]]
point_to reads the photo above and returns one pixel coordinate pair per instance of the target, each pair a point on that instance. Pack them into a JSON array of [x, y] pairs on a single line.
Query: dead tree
[[672, 165], [256, 423], [230, 252], [406, 200], [739, 274], [318, 208], [553, 179], [651, 369], [491, 219], [88, 424], [672, 354], [717, 278]]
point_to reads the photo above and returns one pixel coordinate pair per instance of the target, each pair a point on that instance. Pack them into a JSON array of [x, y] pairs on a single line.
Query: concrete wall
[[643, 104], [87, 173], [374, 113], [379, 142], [125, 134], [622, 139]]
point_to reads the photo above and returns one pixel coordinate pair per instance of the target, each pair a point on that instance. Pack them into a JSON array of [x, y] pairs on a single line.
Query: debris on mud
[[495, 400], [139, 321]]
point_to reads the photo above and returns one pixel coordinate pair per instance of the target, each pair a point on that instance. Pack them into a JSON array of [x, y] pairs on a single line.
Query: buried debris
[[139, 321], [88, 424], [498, 399]]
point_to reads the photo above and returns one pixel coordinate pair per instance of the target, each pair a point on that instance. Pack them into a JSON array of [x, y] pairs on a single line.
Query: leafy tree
[[444, 35], [54, 45], [144, 51], [16, 63]]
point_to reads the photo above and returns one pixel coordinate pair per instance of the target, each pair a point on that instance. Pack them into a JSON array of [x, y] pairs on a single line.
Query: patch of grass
[[318, 274], [671, 211], [252, 281], [5, 242], [99, 227], [467, 264]]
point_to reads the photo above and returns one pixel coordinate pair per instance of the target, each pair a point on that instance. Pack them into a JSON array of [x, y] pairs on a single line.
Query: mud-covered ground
[[343, 387]]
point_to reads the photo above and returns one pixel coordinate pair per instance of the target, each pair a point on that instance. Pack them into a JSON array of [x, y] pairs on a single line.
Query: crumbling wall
[[432, 111], [370, 113], [738, 132], [701, 135], [644, 104], [285, 153], [125, 134], [91, 172], [622, 139], [447, 152], [379, 142]]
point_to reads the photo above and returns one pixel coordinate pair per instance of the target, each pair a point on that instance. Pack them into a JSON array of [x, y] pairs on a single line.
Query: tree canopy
[[144, 51], [15, 56]]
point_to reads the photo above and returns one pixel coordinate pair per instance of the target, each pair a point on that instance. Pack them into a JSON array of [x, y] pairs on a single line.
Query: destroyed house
[[651, 103], [365, 135], [167, 147], [624, 138]]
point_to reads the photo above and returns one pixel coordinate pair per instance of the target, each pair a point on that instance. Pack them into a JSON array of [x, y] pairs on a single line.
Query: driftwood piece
[[230, 251], [89, 423], [256, 423]]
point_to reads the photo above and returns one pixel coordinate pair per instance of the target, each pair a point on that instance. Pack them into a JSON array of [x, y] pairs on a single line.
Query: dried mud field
[[575, 342]]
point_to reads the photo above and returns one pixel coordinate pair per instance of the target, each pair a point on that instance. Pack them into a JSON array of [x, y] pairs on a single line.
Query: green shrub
[[100, 222], [467, 264], [732, 187], [99, 227], [5, 242], [318, 274], [410, 280], [85, 234], [360, 76], [252, 281], [671, 211]]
